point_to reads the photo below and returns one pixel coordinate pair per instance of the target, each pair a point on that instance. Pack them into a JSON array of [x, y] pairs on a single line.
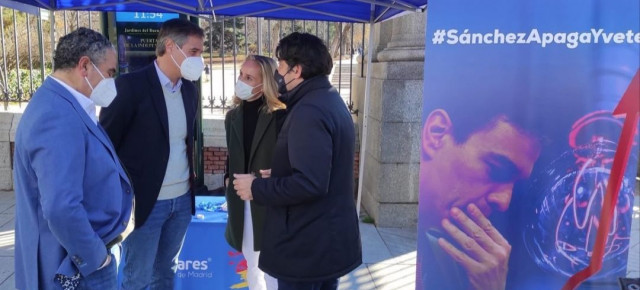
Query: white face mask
[[191, 68], [244, 91], [104, 93]]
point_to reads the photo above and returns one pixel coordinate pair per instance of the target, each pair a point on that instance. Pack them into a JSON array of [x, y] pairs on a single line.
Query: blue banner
[[518, 143], [206, 261]]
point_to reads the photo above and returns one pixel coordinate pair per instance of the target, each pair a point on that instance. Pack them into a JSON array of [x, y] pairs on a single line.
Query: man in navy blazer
[[151, 123], [73, 198]]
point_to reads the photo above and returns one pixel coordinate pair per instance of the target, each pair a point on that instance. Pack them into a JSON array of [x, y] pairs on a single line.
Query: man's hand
[[265, 173], [486, 251], [242, 185]]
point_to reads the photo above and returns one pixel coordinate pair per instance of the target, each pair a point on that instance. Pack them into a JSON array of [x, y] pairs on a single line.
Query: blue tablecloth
[[206, 260]]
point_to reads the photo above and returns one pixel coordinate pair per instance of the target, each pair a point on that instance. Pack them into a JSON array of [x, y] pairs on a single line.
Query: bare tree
[[28, 44], [334, 49], [275, 36]]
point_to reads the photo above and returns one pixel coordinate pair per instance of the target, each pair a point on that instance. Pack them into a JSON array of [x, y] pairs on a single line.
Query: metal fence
[[249, 35], [28, 41]]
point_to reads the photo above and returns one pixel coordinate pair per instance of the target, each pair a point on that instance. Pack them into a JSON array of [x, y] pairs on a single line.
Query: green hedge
[[12, 86]]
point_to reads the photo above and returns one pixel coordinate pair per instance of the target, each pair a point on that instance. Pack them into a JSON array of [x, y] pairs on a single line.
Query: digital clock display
[[144, 16]]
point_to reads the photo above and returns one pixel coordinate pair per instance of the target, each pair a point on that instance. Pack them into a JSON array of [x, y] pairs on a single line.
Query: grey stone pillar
[[392, 153]]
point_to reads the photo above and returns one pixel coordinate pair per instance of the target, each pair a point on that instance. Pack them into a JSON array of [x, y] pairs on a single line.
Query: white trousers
[[257, 279]]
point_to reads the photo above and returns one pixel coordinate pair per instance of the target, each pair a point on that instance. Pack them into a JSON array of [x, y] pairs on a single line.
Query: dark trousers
[[331, 284]]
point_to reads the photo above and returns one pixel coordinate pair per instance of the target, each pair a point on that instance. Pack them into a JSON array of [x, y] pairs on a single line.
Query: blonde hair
[[268, 67]]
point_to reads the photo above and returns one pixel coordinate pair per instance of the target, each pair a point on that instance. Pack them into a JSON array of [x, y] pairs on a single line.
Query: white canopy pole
[[52, 34], [365, 113]]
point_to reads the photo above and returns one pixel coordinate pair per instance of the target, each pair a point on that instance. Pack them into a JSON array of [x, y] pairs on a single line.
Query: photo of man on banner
[[471, 160], [518, 144]]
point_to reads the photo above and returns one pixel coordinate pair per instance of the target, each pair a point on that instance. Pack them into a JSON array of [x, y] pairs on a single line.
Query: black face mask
[[282, 86]]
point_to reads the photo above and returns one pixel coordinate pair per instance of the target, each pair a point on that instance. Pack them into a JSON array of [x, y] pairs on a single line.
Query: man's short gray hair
[[80, 42], [177, 30]]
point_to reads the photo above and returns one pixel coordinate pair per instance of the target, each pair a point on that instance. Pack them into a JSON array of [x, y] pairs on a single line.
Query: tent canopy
[[325, 10], [364, 11]]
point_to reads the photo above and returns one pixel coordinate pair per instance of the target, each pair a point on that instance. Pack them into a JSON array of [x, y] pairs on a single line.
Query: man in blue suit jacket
[[73, 198]]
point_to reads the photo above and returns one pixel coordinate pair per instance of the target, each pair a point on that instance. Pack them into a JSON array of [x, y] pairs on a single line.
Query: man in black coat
[[151, 124], [311, 235]]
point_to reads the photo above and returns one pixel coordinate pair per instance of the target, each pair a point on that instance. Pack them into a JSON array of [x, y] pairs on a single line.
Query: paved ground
[[7, 205], [389, 254]]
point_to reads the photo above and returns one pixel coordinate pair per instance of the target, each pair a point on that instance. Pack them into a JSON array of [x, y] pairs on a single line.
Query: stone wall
[[214, 151], [7, 134], [214, 143], [392, 153]]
